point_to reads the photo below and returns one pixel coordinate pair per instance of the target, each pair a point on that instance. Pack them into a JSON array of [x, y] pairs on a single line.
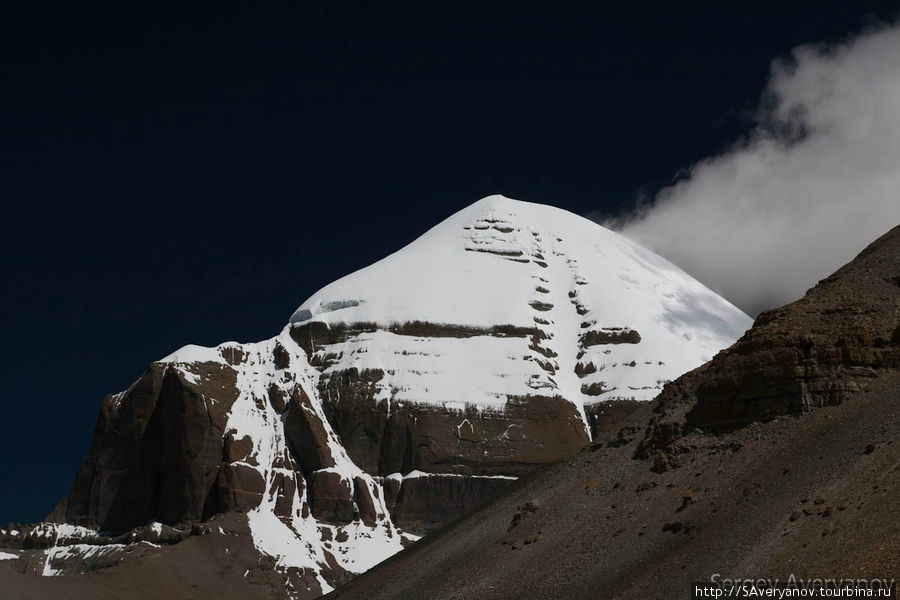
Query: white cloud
[[811, 186]]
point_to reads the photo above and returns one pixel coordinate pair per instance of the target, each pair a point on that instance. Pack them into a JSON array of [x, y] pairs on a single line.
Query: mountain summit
[[395, 399], [564, 305]]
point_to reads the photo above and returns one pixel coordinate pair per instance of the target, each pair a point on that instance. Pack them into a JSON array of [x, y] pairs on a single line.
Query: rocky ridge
[[819, 351]]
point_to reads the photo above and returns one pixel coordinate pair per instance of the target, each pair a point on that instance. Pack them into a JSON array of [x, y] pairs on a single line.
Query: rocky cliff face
[[818, 351], [395, 400]]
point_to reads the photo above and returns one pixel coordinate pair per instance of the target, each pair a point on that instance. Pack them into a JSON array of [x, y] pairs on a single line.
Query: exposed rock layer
[[818, 351]]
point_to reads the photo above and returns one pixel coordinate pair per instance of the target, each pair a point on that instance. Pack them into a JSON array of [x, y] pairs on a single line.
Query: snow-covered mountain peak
[[395, 400], [611, 319]]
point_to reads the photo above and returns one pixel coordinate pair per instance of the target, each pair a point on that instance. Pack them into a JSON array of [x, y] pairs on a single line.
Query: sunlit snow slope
[[613, 319]]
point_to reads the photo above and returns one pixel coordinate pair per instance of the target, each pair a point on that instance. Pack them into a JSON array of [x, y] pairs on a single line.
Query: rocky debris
[[536, 346], [522, 512], [528, 539], [644, 486], [531, 535], [623, 437], [871, 447], [677, 527]]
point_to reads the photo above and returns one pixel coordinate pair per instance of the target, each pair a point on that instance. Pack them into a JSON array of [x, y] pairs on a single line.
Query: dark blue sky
[[178, 174]]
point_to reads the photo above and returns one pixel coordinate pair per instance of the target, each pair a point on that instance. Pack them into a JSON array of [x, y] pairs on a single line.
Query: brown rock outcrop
[[306, 434], [528, 432], [239, 488], [331, 496], [364, 501], [607, 415], [818, 351], [426, 502], [157, 449]]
